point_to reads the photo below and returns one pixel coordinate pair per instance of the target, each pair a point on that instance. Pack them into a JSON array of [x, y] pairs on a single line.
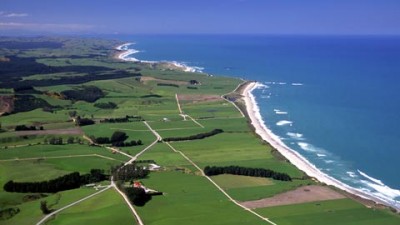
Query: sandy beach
[[294, 157]]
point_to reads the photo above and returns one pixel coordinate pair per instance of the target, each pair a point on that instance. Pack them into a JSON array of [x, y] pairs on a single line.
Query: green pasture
[[182, 132], [190, 199], [228, 181], [34, 116], [161, 126], [237, 125], [165, 157], [40, 151], [259, 192], [217, 109], [54, 76], [11, 139], [106, 208], [30, 212]]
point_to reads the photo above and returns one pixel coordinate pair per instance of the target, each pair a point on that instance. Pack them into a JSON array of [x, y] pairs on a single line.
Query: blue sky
[[201, 16]]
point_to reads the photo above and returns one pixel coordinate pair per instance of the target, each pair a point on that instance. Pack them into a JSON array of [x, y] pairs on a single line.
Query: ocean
[[333, 99]]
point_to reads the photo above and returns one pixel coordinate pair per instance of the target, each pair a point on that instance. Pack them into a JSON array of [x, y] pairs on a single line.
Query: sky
[[304, 17]]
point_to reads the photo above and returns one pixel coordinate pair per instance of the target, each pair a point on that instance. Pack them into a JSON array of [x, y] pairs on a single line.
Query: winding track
[[70, 205], [132, 159], [112, 185], [219, 188]]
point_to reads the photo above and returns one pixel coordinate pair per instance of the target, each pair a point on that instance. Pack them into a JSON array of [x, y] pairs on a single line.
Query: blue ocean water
[[333, 99]]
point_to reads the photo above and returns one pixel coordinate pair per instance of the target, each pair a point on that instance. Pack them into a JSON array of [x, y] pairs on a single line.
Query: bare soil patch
[[70, 131], [303, 194], [199, 98], [6, 104]]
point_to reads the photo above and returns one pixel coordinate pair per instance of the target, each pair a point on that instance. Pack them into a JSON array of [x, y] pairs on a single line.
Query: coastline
[[123, 54], [253, 113]]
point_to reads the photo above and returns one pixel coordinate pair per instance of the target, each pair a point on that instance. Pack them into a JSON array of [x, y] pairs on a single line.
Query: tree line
[[24, 127], [117, 139], [83, 121], [60, 141], [66, 182], [167, 85], [194, 137], [245, 171], [106, 105], [122, 119]]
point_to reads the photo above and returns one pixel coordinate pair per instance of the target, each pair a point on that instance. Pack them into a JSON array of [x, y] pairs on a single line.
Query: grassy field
[[111, 210], [30, 212], [190, 199], [40, 151], [228, 181]]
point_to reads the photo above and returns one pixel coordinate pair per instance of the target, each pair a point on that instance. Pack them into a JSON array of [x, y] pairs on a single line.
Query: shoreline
[[124, 52], [292, 156], [252, 111]]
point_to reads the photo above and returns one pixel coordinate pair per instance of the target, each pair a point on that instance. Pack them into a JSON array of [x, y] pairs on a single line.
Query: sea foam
[[296, 136], [370, 178], [284, 122], [277, 111]]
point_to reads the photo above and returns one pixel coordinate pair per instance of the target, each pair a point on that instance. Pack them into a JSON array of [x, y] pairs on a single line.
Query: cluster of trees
[[26, 90], [91, 76], [137, 196], [167, 85], [129, 172], [122, 119], [117, 139], [83, 121], [128, 143], [60, 140], [146, 161], [194, 82], [25, 103], [151, 96], [106, 105], [196, 136], [245, 171], [45, 209], [85, 93], [115, 120], [55, 141], [7, 213], [24, 127], [18, 67], [66, 182]]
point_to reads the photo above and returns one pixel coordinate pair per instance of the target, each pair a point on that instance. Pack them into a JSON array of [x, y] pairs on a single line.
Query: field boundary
[[219, 188], [60, 157]]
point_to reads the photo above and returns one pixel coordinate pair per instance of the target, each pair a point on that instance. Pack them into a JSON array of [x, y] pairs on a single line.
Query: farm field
[[111, 210]]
